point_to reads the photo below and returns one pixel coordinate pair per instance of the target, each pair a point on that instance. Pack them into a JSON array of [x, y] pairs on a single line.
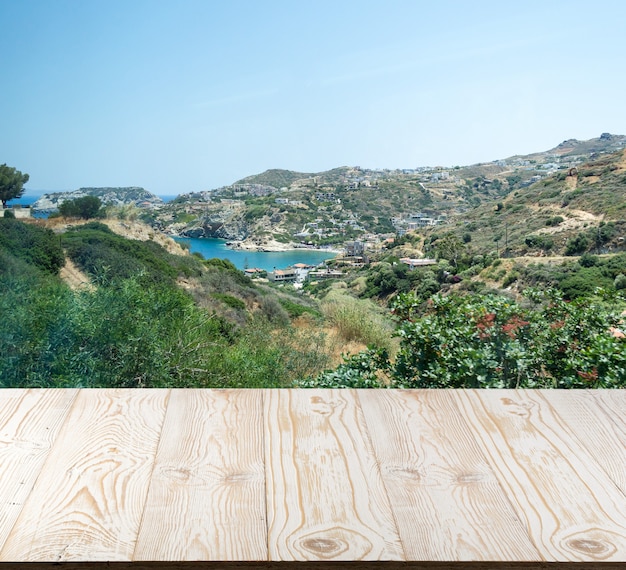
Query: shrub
[[577, 245], [229, 300], [273, 310], [620, 282], [480, 341], [34, 245], [588, 260], [357, 320], [86, 208]]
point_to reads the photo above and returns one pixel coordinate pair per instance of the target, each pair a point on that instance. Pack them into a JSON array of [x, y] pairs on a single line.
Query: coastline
[[270, 246]]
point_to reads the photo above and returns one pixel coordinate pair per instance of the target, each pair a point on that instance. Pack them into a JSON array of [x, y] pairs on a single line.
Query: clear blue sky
[[188, 95]]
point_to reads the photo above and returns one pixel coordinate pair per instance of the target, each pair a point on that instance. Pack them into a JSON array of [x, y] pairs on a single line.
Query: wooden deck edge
[[316, 565]]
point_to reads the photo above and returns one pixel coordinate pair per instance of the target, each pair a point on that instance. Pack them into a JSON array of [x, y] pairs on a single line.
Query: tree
[[11, 183], [86, 207], [450, 247]]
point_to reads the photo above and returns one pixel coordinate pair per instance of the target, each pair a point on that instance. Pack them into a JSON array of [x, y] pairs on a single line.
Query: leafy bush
[[539, 241], [577, 245], [32, 244], [588, 260], [487, 341], [620, 282], [86, 208], [554, 220], [363, 370]]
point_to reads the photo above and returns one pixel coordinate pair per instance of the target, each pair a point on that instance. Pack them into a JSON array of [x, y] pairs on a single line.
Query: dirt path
[[74, 277]]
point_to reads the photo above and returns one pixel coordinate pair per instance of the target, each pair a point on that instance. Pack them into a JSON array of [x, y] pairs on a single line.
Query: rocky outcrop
[[193, 233], [235, 231], [108, 196]]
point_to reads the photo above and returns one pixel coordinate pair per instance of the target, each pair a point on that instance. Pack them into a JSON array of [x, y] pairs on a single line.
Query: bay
[[270, 260]]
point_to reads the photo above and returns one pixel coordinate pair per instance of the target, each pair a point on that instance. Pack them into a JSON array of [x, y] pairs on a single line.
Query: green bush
[[555, 220], [577, 245], [488, 341], [620, 282], [37, 246], [87, 207], [232, 302]]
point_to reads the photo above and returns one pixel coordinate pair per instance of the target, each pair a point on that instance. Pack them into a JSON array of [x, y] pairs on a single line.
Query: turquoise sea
[[269, 261]]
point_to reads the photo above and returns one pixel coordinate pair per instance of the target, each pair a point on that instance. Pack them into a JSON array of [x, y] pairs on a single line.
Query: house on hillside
[[282, 275], [413, 263], [354, 248], [325, 274]]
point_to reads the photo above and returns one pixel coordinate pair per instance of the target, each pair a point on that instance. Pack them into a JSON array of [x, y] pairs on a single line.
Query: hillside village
[[526, 254], [358, 211], [279, 209]]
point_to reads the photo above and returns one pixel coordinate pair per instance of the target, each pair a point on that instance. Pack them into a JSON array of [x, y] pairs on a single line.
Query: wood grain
[[598, 423], [88, 500], [207, 496], [326, 499], [268, 478], [571, 509], [446, 499], [30, 421]]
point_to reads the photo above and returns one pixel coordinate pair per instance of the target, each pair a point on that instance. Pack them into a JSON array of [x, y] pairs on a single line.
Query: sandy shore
[[273, 245]]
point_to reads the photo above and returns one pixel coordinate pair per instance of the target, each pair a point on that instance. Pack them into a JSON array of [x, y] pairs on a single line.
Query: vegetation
[[135, 327], [489, 341], [11, 183], [34, 245], [86, 208], [106, 256], [475, 318], [357, 319]]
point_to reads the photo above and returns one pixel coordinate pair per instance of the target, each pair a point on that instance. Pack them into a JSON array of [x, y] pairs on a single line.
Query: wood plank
[[447, 502], [30, 421], [88, 500], [207, 496], [572, 510], [615, 400], [326, 498], [598, 423]]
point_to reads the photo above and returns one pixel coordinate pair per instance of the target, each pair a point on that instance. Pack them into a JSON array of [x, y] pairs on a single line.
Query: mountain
[[347, 203], [108, 196], [278, 178]]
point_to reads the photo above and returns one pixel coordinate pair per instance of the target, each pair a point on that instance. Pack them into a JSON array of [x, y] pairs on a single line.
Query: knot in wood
[[323, 546], [592, 547]]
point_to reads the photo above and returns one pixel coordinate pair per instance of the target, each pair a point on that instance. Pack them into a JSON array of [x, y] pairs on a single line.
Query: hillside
[[132, 314], [281, 208], [587, 203]]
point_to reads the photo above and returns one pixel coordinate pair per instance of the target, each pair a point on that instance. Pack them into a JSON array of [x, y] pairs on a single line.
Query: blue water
[[269, 261], [168, 197], [31, 196], [25, 200]]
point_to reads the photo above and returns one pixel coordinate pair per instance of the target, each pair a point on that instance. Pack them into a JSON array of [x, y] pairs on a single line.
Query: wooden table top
[[437, 478]]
